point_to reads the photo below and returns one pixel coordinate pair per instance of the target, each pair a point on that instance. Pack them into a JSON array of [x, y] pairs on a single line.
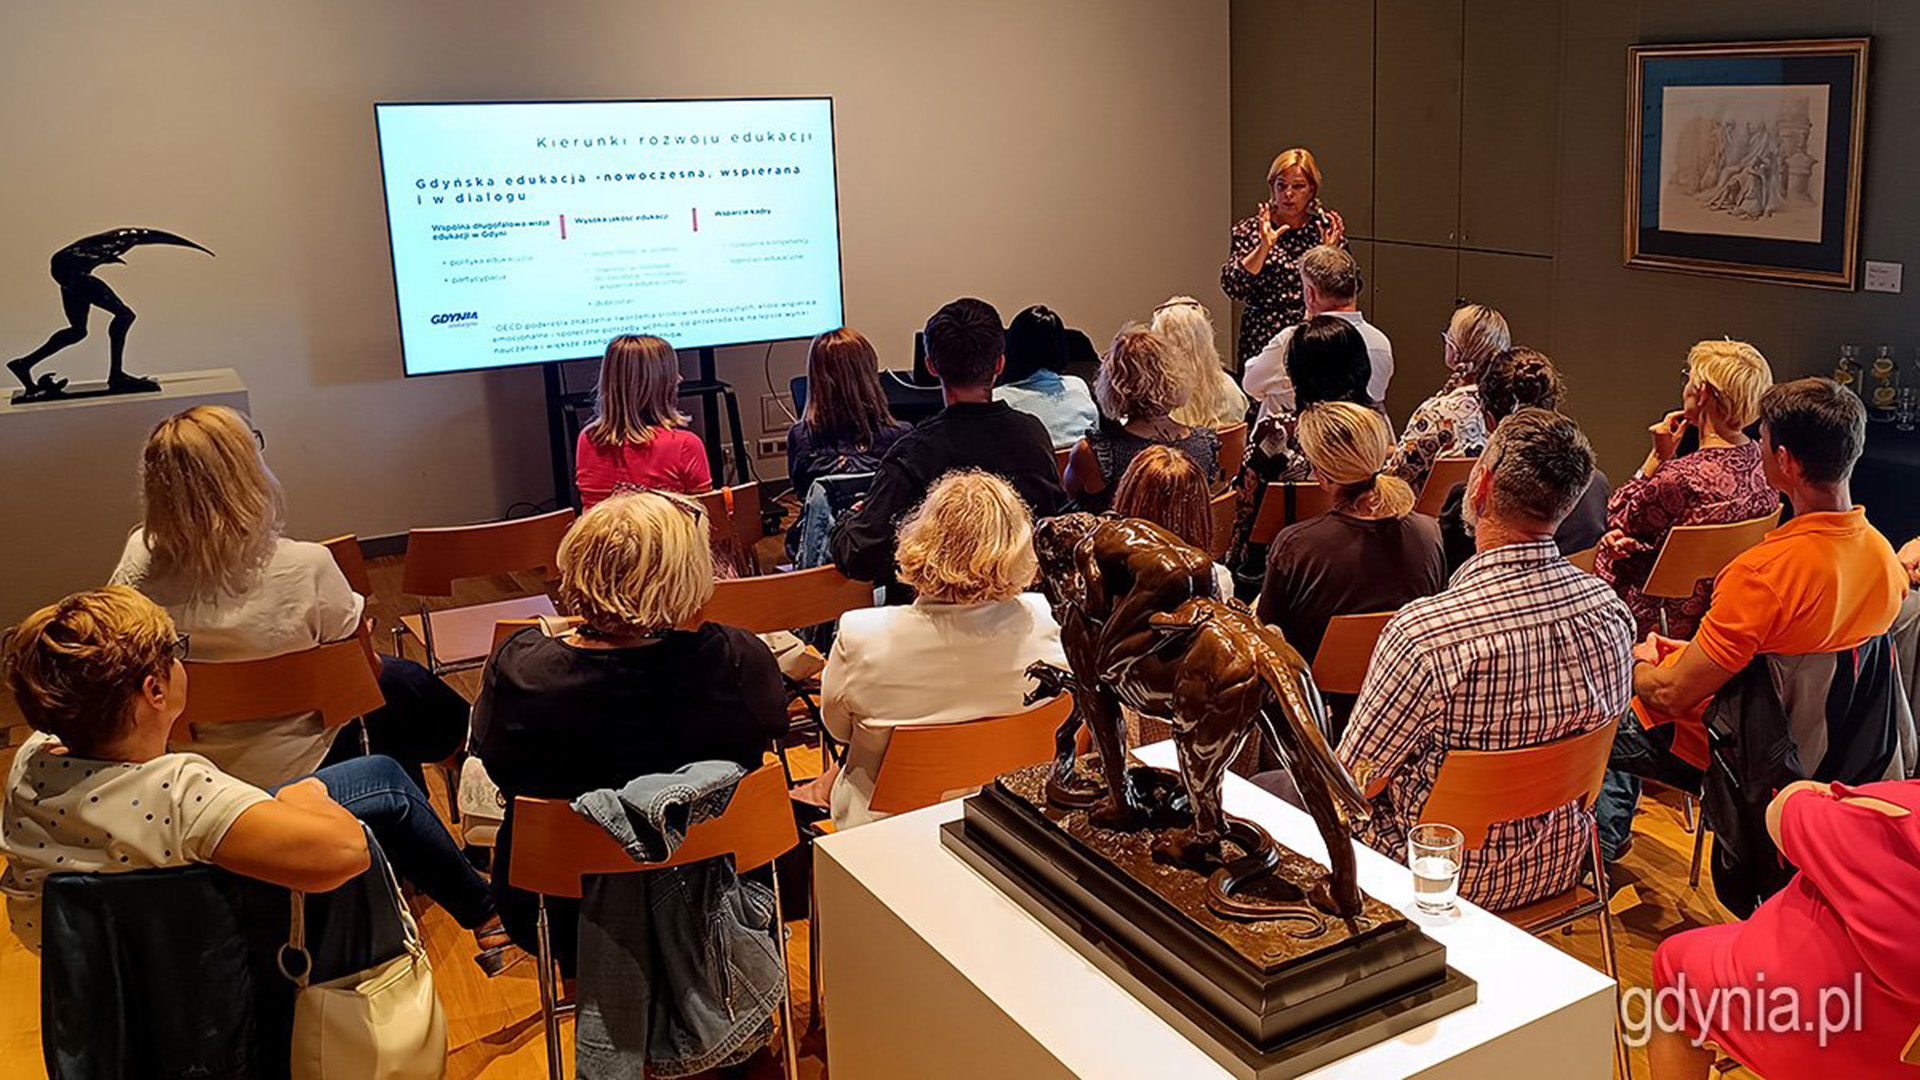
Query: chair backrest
[[352, 562], [926, 764], [338, 680], [438, 557], [1225, 508], [1282, 504], [788, 601], [1345, 651], [1446, 472], [734, 511], [1694, 553], [1478, 789], [1233, 447], [1060, 459], [1583, 560], [553, 846], [506, 628]]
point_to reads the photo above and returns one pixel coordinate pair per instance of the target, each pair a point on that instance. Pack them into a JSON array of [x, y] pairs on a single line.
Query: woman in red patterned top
[[1717, 484], [638, 438]]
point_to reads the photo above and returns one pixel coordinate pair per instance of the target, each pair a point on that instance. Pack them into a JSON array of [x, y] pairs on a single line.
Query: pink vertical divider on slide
[[696, 217], [563, 226]]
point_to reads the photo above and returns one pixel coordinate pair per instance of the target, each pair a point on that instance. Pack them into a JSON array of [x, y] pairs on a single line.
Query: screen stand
[[710, 390], [561, 430]]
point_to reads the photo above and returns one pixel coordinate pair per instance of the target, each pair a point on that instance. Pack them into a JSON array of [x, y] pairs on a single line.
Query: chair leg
[[1688, 820], [789, 1035], [366, 746], [426, 638], [549, 993], [1699, 849], [1607, 954]]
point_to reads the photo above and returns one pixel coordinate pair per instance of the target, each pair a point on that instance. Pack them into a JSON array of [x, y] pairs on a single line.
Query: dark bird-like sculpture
[[1142, 628], [80, 292]]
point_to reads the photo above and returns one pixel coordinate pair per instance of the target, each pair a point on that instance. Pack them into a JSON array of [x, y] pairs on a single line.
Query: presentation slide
[[525, 233]]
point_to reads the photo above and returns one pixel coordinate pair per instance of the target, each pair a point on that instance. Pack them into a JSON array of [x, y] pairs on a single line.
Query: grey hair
[[1332, 271], [1541, 463]]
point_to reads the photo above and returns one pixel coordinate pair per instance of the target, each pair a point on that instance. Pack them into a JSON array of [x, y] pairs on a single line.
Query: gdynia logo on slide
[[454, 317]]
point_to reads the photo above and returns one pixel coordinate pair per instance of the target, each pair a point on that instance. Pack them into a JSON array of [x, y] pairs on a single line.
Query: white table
[[930, 972]]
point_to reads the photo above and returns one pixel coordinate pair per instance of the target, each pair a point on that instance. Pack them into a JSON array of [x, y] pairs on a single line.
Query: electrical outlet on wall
[[772, 448]]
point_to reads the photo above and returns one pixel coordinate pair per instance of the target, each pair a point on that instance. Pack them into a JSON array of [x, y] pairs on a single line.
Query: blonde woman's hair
[[969, 542], [637, 564], [1298, 157], [1186, 327], [213, 508], [1738, 374], [1139, 377], [639, 392], [1479, 334], [75, 666], [1348, 444]]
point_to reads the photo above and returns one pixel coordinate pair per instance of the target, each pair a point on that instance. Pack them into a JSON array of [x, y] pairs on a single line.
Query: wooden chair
[[1233, 447], [787, 601], [1060, 459], [1477, 789], [734, 512], [1446, 472], [1345, 651], [554, 848], [931, 763], [1694, 553], [436, 558], [352, 561], [1583, 560], [1283, 504], [1225, 509], [339, 680]]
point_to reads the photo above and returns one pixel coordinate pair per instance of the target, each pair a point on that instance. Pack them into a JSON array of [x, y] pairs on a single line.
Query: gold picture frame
[[1732, 154]]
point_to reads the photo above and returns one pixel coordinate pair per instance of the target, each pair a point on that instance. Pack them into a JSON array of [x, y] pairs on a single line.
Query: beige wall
[[1072, 152]]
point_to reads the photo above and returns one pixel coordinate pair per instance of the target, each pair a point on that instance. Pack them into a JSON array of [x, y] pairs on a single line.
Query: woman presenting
[[1261, 273]]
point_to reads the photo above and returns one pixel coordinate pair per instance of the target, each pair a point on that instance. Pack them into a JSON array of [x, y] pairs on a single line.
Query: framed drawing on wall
[[1743, 159]]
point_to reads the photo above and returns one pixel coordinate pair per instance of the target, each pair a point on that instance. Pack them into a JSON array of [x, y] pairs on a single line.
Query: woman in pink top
[[1828, 964], [638, 437]]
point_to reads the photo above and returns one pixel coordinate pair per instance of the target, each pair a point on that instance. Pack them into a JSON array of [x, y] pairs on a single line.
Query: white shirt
[[1266, 379], [66, 813], [925, 663], [297, 600]]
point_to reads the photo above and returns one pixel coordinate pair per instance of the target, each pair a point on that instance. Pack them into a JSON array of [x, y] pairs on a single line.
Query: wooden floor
[[494, 1024]]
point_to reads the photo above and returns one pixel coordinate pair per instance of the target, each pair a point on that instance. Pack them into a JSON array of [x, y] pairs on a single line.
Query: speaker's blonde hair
[[1348, 444], [638, 563], [213, 508], [1298, 157], [639, 392], [75, 666], [1738, 374], [969, 542]]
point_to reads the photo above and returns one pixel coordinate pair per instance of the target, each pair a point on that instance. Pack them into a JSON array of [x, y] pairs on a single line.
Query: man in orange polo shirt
[[1824, 582]]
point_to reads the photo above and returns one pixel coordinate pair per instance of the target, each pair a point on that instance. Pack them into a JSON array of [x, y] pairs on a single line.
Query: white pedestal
[[929, 971], [70, 478]]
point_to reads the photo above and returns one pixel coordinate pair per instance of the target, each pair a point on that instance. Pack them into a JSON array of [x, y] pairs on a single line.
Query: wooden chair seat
[[1446, 472], [1583, 560], [789, 601], [1224, 508], [1233, 447], [465, 635], [927, 764], [1346, 650], [1283, 504]]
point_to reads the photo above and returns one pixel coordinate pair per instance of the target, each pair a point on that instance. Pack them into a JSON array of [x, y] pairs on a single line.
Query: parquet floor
[[494, 1024]]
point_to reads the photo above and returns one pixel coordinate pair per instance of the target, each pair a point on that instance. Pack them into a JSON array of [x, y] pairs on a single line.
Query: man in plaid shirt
[[1521, 649]]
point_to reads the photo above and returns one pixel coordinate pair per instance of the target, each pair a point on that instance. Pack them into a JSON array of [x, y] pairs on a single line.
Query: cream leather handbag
[[384, 1023]]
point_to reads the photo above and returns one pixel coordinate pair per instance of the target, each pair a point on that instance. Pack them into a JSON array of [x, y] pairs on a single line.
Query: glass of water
[[1433, 853]]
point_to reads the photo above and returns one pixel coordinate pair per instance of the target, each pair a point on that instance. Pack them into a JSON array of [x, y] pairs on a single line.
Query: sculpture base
[[77, 391], [1264, 1002]]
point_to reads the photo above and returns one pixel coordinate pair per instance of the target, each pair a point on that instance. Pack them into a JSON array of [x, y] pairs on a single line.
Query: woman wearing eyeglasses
[[1451, 423], [1262, 272]]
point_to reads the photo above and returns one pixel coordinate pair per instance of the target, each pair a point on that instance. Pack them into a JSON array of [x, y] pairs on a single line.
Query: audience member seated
[[1844, 926], [210, 551], [1521, 649], [1451, 423], [966, 351], [638, 437], [1032, 381], [1139, 387], [959, 652], [1523, 378], [95, 790], [1165, 487], [1325, 360], [640, 687], [1213, 400], [1717, 484], [847, 427], [1815, 590], [1330, 284], [1370, 553]]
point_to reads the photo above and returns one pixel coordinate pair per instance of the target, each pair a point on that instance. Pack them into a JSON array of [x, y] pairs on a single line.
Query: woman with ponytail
[[1370, 553]]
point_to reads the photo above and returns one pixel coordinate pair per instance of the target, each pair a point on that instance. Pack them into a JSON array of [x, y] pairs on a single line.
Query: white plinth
[[931, 972], [70, 481]]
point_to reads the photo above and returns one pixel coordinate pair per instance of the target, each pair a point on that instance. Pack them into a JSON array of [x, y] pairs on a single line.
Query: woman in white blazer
[[959, 652]]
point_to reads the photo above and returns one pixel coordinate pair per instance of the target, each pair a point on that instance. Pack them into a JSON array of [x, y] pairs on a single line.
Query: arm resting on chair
[[301, 839]]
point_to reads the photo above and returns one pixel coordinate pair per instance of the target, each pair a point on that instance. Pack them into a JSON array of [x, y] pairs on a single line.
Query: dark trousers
[[1637, 753], [423, 720]]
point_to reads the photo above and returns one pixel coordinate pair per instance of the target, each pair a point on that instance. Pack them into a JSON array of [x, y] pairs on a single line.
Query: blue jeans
[[1636, 753], [378, 792]]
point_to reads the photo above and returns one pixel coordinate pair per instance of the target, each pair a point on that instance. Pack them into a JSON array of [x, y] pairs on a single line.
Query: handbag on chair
[[383, 1023]]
